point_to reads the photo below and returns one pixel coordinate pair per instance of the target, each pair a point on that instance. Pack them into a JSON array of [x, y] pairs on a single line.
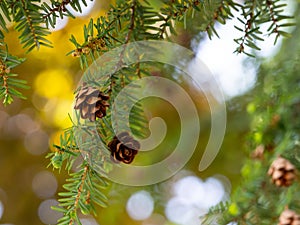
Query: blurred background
[[29, 128]]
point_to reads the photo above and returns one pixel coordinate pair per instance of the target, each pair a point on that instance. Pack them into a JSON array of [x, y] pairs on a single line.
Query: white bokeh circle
[[153, 86]]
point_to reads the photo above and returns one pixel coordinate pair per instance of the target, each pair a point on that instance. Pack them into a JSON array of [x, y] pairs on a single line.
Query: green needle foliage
[[8, 80], [125, 22], [34, 18], [274, 132]]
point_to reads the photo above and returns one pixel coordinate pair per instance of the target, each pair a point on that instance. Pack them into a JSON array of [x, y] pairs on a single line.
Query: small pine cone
[[289, 217], [283, 172], [275, 120], [91, 102], [123, 149], [258, 153]]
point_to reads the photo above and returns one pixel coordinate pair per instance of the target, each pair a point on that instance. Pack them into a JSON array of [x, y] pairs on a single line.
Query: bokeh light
[[193, 197], [46, 214], [26, 124], [183, 187], [36, 142], [44, 184], [60, 24], [10, 128], [140, 205], [53, 83]]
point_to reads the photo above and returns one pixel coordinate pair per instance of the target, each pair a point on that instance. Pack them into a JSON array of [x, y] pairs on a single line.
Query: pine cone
[[258, 153], [282, 172], [289, 217], [123, 149], [91, 103]]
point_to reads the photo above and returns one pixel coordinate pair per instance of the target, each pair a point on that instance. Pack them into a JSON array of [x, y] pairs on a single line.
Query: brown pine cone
[[283, 172], [123, 149], [91, 102], [258, 153], [289, 217]]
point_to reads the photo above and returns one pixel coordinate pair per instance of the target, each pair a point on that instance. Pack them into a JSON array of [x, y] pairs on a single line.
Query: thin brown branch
[[127, 39], [5, 84], [30, 23], [58, 9], [62, 150], [175, 14], [138, 70], [270, 5], [80, 189], [248, 26], [215, 16], [4, 70]]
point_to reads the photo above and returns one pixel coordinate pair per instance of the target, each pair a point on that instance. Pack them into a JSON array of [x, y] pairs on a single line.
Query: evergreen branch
[[131, 26], [82, 193], [270, 6], [275, 135], [30, 23], [131, 20], [5, 85], [58, 7], [28, 18], [210, 25], [221, 13], [8, 80], [249, 28], [6, 13], [175, 11], [127, 39], [275, 18], [80, 189], [257, 13]]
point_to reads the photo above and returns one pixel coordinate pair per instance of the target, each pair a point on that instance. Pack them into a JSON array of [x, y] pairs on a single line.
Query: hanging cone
[[123, 149], [289, 217], [258, 153], [282, 172], [91, 103]]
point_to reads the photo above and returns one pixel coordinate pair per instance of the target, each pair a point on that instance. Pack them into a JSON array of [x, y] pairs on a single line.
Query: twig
[[248, 26], [83, 177], [127, 39], [29, 20], [60, 8], [3, 73], [270, 5]]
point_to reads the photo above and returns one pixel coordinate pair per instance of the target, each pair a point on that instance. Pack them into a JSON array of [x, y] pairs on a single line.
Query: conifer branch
[[59, 7], [30, 24], [3, 73], [80, 189], [252, 13]]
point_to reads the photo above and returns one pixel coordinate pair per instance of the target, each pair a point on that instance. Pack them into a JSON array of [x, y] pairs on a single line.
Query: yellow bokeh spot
[[233, 209], [53, 83], [60, 116], [251, 107], [257, 137]]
